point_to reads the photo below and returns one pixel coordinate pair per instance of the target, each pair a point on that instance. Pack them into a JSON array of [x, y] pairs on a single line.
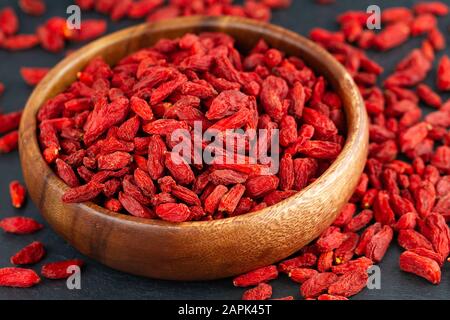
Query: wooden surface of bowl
[[196, 250]]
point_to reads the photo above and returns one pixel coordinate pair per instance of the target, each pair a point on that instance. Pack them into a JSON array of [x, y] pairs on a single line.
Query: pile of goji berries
[[112, 134], [155, 10], [405, 189]]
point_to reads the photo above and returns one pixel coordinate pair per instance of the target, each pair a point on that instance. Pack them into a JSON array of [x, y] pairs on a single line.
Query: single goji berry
[[30, 254], [256, 277], [17, 193], [261, 292], [20, 225], [18, 277], [421, 266], [60, 269]]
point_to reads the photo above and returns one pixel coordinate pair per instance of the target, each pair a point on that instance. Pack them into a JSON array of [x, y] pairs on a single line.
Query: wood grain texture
[[196, 250]]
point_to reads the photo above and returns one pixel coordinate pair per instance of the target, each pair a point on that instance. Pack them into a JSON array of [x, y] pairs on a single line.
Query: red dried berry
[[317, 284], [302, 261], [9, 142], [33, 7], [60, 269], [83, 193], [443, 78], [17, 193], [349, 284], [31, 254], [379, 243], [173, 212], [9, 23], [261, 292], [256, 277], [20, 225], [18, 277], [422, 266], [33, 76], [300, 275]]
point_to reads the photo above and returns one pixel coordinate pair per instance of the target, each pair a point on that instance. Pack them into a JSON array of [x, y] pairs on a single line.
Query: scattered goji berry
[[60, 269], [30, 254], [261, 292], [256, 277], [18, 277], [422, 266], [17, 193], [349, 284], [20, 225], [33, 7], [33, 76]]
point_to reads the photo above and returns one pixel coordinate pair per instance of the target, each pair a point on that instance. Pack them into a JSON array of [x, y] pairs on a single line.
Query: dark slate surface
[[100, 282]]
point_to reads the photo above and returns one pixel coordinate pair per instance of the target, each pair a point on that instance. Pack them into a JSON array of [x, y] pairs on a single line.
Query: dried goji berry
[[421, 266], [18, 277], [443, 79], [17, 193], [20, 225], [304, 260], [317, 284], [9, 23], [33, 76], [261, 292], [60, 269], [173, 212], [379, 243], [300, 275], [349, 284], [83, 193], [256, 277], [33, 7], [30, 254]]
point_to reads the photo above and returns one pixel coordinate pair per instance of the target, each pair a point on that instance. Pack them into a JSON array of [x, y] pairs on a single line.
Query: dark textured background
[[99, 282]]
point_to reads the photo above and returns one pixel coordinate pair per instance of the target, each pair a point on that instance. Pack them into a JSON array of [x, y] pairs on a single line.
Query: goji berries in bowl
[[193, 221]]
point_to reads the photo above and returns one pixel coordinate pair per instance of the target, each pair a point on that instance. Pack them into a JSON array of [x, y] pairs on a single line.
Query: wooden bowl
[[196, 250]]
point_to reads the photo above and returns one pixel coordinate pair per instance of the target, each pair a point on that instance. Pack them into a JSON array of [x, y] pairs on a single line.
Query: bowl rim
[[260, 27]]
